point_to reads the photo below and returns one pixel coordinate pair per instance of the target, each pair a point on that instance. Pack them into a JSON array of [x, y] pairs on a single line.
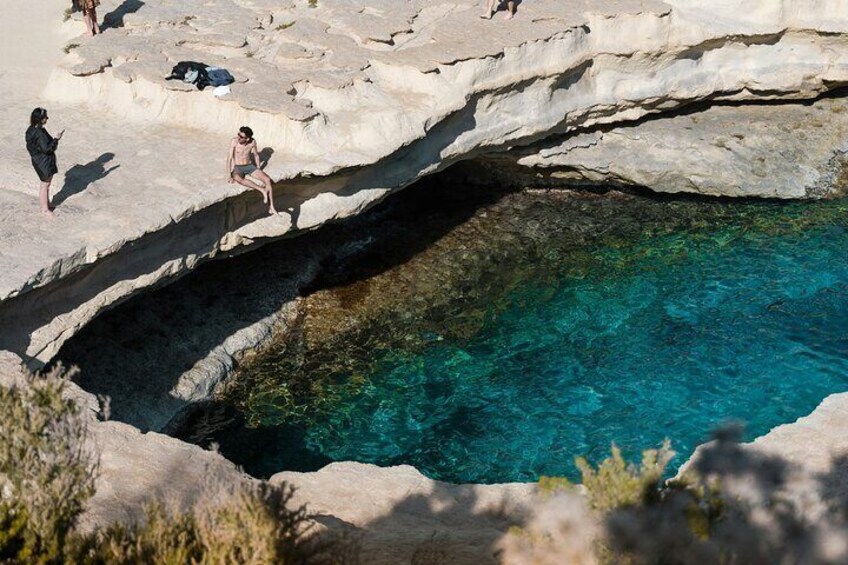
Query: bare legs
[[265, 189], [44, 196], [491, 8], [90, 19]]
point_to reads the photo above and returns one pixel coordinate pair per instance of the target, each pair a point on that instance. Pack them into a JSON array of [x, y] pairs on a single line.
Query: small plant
[[70, 47], [617, 484], [313, 3], [554, 485], [281, 27]]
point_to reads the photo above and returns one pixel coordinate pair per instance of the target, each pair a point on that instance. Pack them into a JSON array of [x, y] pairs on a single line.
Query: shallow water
[[557, 336]]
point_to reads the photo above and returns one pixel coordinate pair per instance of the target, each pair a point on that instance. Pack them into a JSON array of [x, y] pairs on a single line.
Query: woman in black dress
[[42, 149]]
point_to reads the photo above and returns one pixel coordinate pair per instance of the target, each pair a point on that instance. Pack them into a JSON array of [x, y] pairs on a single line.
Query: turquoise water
[[669, 334]]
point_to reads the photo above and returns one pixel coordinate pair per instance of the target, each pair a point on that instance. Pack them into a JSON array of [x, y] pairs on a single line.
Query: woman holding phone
[[42, 150]]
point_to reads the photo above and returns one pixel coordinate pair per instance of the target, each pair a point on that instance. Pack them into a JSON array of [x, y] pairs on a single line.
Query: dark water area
[[493, 337]]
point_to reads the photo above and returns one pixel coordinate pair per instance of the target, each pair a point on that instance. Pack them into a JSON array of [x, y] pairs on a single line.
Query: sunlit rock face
[[358, 100], [768, 151]]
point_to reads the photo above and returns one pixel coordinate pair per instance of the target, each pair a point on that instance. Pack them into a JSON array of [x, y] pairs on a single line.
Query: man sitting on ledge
[[242, 152]]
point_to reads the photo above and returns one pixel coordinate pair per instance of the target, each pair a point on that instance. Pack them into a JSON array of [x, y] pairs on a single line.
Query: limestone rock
[[395, 93], [774, 151], [399, 511], [138, 469]]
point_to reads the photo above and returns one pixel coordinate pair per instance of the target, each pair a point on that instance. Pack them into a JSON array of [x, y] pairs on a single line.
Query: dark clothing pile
[[42, 150], [200, 74]]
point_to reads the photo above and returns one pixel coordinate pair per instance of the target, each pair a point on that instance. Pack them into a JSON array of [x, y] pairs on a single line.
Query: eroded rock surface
[[773, 151], [399, 511], [356, 100], [367, 97]]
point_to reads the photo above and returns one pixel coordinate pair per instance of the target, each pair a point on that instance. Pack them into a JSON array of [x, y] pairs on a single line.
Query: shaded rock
[[774, 151], [398, 511], [139, 469]]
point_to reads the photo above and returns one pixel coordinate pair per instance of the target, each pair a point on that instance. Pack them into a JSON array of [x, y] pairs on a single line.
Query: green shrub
[[47, 474], [47, 471], [617, 484]]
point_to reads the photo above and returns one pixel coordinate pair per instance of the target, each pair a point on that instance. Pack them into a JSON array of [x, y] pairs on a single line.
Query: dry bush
[[245, 524], [567, 527], [47, 472]]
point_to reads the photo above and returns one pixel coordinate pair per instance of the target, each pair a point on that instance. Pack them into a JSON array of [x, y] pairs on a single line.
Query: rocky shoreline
[[413, 102], [437, 98]]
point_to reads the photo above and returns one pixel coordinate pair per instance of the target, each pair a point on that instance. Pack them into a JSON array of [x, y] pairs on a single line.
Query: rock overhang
[[359, 99]]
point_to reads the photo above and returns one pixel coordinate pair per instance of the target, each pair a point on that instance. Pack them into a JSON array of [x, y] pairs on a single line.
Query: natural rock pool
[[546, 325]]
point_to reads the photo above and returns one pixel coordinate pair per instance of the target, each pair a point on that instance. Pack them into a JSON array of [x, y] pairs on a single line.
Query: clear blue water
[[666, 335]]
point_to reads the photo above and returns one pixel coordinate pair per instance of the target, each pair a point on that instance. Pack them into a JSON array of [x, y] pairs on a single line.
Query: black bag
[[183, 67]]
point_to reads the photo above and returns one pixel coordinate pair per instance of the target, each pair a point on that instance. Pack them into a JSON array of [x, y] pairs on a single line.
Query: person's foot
[[508, 15], [49, 213], [486, 15]]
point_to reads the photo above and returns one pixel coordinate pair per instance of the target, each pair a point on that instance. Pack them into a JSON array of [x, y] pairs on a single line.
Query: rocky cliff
[[351, 101], [355, 101]]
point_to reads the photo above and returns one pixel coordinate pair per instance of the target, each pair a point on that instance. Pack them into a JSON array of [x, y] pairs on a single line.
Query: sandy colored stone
[[390, 93], [772, 151], [398, 510]]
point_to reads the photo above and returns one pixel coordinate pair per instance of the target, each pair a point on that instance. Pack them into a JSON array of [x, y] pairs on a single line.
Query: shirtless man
[[242, 152]]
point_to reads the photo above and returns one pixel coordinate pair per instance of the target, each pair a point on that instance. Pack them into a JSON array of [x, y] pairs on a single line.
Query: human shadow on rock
[[265, 156], [449, 524], [115, 18], [79, 177]]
